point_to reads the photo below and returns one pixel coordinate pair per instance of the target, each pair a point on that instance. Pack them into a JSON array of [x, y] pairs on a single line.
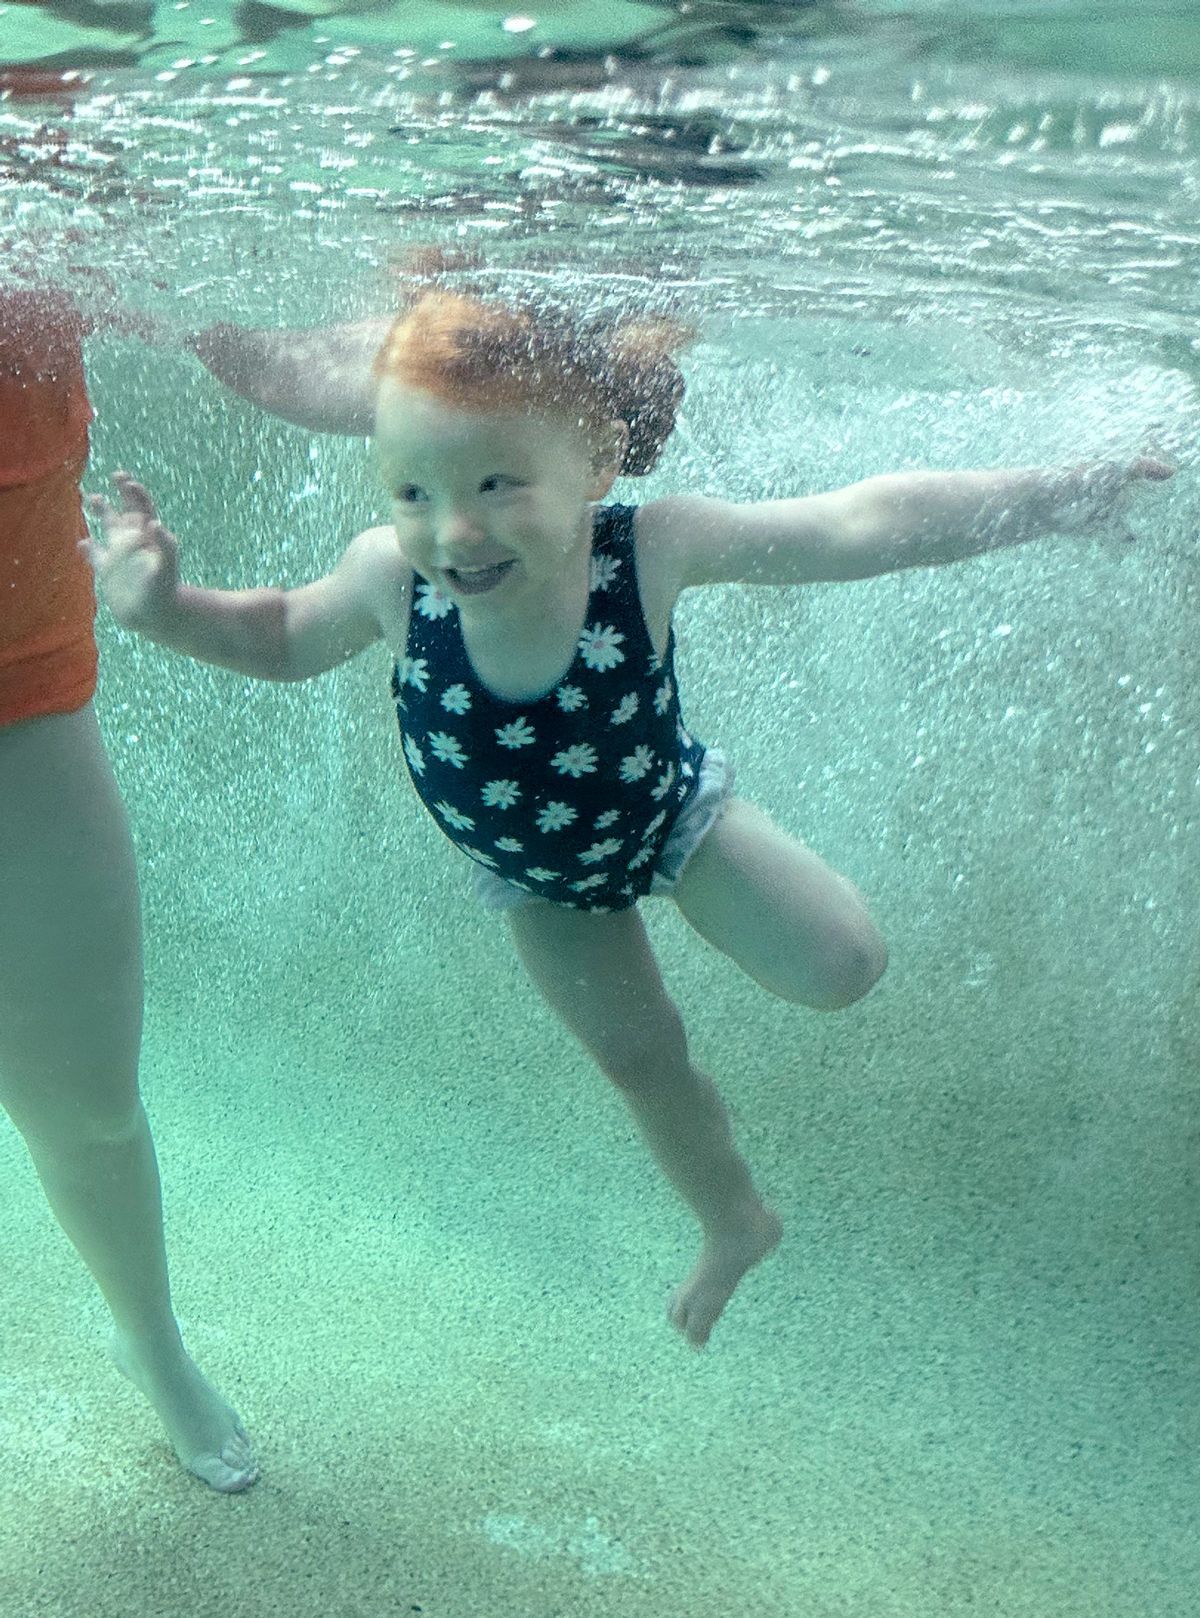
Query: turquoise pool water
[[411, 1232]]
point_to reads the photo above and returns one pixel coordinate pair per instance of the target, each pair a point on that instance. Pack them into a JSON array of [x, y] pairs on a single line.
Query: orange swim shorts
[[47, 603]]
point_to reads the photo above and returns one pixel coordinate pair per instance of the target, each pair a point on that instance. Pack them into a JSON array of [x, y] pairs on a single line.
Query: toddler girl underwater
[[534, 682]]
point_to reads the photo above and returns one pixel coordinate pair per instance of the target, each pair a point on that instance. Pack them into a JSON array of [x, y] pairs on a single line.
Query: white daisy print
[[541, 873], [604, 570], [432, 602], [414, 755], [555, 816], [654, 824], [454, 817], [634, 765], [575, 761], [510, 845], [664, 783], [500, 794], [600, 851], [599, 645], [519, 733], [640, 858], [414, 671], [596, 880], [456, 699], [624, 710], [446, 748], [662, 697], [571, 698], [607, 819], [477, 854]]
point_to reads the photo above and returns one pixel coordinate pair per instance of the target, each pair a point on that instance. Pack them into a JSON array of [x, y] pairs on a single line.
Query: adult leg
[[70, 1030], [599, 974], [784, 916]]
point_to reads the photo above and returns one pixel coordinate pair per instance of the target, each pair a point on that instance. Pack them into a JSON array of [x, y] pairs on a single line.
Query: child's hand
[[1094, 496], [134, 557]]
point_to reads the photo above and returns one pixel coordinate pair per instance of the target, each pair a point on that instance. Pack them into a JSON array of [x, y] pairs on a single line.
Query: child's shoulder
[[662, 531], [666, 533], [671, 518], [375, 550], [372, 566]]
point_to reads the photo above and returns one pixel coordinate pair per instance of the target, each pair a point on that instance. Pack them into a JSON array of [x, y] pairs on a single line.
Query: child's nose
[[460, 528]]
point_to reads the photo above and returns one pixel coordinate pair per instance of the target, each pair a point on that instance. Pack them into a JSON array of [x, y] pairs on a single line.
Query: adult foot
[[696, 1306], [204, 1431]]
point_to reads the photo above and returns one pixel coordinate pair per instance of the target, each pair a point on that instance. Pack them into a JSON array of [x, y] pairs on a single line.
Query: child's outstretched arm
[[271, 634], [320, 379], [903, 519]]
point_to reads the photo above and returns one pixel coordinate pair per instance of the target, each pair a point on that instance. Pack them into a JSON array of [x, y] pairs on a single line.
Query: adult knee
[[65, 1131]]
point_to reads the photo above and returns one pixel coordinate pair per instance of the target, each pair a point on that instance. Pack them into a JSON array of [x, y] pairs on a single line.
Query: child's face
[[491, 507]]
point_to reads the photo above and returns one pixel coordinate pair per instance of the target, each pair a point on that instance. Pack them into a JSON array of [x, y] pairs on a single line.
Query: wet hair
[[493, 355]]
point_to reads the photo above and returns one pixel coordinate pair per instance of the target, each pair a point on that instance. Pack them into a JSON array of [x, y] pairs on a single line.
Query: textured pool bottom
[[434, 1287]]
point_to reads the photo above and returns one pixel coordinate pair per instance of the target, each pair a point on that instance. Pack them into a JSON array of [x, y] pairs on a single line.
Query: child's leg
[[765, 900], [598, 973], [70, 1027]]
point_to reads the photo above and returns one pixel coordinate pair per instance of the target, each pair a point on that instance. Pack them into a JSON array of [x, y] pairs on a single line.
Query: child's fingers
[[163, 539], [1115, 491], [100, 555], [121, 533], [135, 495], [111, 521], [105, 517], [1149, 466]]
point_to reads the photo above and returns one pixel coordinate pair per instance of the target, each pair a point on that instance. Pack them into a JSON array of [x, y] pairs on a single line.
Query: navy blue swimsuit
[[570, 795]]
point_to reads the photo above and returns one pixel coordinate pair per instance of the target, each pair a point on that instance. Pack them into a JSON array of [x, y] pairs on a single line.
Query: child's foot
[[204, 1431], [696, 1306]]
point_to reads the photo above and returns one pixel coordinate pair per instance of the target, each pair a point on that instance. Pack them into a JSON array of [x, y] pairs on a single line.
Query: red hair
[[495, 356]]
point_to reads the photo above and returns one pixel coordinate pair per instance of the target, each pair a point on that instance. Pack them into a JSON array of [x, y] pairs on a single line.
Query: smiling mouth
[[474, 581]]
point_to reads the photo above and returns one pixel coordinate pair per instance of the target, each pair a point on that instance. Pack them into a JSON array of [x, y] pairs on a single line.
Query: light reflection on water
[[815, 188]]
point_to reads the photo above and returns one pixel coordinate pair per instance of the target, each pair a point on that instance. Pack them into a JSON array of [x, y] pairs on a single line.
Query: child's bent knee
[[849, 971], [833, 974]]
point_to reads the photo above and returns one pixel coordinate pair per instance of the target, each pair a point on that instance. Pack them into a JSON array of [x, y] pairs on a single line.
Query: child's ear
[[608, 452]]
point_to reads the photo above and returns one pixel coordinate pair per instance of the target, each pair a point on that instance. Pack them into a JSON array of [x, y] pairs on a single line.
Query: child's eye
[[408, 494], [498, 481]]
